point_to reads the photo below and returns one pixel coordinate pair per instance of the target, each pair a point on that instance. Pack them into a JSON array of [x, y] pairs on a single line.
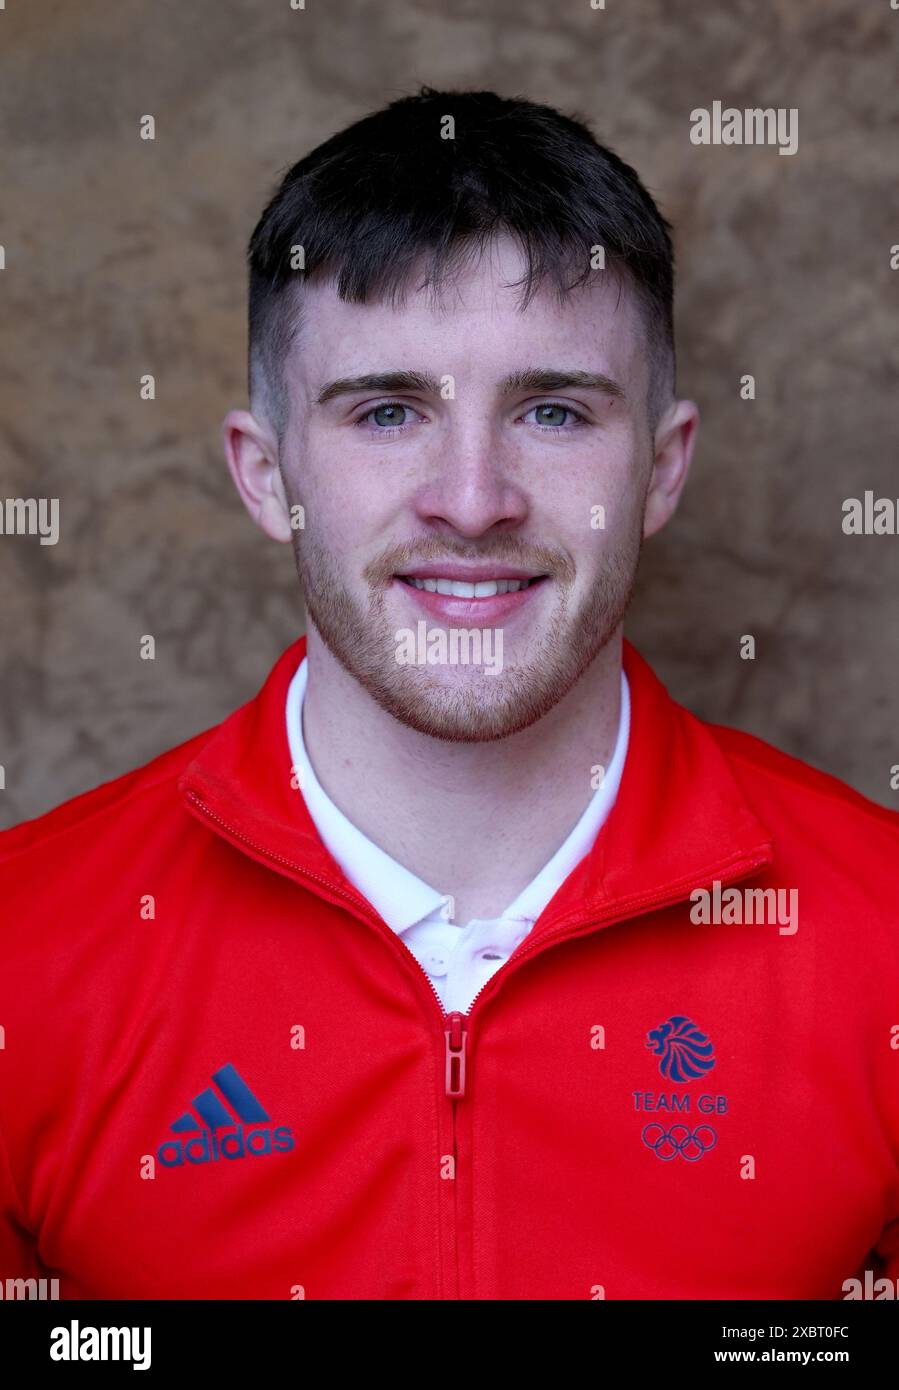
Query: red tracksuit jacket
[[224, 1076]]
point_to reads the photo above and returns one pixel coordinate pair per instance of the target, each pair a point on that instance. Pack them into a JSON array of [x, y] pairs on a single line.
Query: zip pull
[[456, 1035]]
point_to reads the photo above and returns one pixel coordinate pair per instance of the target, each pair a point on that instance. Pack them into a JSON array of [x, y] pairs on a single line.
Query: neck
[[475, 820]]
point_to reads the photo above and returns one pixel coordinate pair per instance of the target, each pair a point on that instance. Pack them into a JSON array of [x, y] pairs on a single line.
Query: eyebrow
[[552, 379], [543, 379], [381, 382]]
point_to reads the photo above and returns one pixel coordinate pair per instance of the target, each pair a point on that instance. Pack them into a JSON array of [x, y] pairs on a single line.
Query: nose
[[473, 485]]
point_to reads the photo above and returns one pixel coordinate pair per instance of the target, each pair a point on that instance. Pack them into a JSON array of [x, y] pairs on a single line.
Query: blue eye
[[551, 416], [390, 415]]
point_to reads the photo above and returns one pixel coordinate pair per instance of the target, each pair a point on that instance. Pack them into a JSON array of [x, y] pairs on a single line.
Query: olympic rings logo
[[691, 1144]]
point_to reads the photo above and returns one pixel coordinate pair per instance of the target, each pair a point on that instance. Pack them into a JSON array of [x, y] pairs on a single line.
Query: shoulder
[[783, 788], [118, 805]]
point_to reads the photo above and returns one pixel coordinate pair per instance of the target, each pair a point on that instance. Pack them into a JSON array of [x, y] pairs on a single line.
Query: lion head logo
[[683, 1050]]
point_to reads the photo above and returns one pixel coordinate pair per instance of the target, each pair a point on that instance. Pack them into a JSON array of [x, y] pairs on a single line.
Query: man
[[461, 962]]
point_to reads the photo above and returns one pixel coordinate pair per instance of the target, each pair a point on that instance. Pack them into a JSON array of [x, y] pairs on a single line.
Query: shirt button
[[435, 965]]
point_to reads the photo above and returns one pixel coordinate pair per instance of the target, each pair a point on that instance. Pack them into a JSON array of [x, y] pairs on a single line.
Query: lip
[[470, 612]]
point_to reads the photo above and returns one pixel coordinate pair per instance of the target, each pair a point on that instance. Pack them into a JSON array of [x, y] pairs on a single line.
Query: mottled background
[[125, 257]]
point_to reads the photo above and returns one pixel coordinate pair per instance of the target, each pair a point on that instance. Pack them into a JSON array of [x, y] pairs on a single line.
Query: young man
[[461, 962]]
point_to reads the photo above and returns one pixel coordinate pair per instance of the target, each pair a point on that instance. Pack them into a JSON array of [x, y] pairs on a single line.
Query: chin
[[482, 708]]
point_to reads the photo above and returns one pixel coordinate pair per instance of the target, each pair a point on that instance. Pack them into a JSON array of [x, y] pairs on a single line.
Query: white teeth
[[456, 588]]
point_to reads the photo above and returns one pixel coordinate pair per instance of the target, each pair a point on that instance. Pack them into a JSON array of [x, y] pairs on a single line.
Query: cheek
[[347, 530], [347, 487], [623, 487], [594, 504]]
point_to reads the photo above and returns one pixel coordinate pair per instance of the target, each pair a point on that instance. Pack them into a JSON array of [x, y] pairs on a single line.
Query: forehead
[[474, 320]]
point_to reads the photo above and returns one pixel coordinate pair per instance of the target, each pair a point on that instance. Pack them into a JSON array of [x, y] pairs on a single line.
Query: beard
[[472, 707]]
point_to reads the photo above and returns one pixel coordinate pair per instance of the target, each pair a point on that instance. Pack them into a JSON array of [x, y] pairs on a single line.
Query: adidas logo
[[215, 1134]]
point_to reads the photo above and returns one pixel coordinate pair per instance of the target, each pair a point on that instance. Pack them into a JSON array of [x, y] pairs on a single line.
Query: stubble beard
[[480, 707]]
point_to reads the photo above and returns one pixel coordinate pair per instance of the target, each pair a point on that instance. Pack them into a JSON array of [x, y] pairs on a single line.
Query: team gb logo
[[683, 1050]]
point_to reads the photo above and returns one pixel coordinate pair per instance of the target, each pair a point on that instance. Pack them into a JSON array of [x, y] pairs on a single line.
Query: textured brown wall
[[125, 257]]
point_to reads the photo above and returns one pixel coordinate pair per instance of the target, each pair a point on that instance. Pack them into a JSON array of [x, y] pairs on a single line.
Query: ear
[[675, 438], [251, 449]]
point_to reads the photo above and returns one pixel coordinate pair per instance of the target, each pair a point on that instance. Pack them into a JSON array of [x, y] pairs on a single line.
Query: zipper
[[456, 1035]]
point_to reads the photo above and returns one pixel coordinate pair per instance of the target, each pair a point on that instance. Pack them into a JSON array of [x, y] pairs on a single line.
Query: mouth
[[460, 588], [481, 597]]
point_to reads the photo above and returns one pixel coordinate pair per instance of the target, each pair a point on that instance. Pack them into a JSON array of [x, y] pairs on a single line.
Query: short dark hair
[[388, 191]]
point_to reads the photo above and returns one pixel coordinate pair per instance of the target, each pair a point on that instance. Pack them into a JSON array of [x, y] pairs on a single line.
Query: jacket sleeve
[[18, 1248]]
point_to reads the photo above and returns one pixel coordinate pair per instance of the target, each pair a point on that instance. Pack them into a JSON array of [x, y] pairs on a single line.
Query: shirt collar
[[681, 818], [400, 897]]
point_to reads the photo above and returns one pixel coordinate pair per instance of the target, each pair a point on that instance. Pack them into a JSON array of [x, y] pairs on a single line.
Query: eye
[[550, 415], [388, 416]]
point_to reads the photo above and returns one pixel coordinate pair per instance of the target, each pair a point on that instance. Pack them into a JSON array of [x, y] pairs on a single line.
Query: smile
[[481, 598], [457, 588]]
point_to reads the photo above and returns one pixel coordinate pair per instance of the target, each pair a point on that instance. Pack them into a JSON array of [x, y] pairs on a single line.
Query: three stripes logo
[[216, 1134]]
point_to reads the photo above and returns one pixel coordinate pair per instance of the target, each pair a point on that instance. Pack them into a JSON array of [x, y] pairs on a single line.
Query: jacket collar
[[679, 821]]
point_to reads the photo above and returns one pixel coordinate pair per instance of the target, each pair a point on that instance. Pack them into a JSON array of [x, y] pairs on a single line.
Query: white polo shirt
[[458, 959]]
